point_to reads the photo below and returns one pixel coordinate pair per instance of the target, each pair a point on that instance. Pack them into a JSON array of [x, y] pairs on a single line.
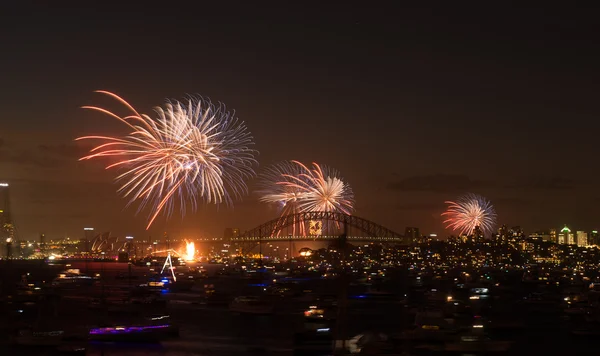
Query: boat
[[320, 313], [250, 305], [133, 333], [72, 277]]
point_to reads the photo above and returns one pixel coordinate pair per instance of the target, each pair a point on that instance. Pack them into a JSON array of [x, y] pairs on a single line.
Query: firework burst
[[194, 150], [468, 212], [322, 189], [274, 187], [297, 188]]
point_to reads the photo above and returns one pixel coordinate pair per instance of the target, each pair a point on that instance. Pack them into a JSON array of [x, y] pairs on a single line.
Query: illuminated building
[[477, 235], [501, 238], [412, 234], [88, 235], [546, 237], [553, 236], [582, 238], [6, 223], [566, 236], [538, 236], [516, 233], [593, 238]]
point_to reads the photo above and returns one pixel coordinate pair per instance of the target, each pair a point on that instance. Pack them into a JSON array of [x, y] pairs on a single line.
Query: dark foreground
[[529, 326]]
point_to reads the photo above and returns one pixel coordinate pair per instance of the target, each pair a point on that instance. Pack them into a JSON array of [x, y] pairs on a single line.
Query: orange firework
[[192, 151]]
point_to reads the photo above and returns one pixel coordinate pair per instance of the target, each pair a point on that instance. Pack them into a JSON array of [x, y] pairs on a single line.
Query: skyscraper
[[502, 236], [566, 236], [593, 238], [477, 235], [582, 238], [88, 235], [6, 224]]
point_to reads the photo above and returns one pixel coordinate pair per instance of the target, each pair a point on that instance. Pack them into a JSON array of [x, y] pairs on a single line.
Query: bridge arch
[[373, 231]]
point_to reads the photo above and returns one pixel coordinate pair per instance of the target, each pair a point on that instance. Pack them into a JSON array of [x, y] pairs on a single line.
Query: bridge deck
[[316, 238]]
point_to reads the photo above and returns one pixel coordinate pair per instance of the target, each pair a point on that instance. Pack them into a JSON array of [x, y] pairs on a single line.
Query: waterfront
[[526, 325]]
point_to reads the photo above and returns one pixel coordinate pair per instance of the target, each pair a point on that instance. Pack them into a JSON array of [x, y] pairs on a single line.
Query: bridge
[[356, 228]]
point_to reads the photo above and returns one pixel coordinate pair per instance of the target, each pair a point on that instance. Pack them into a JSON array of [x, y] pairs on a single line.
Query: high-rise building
[[571, 239], [501, 237], [582, 238], [566, 236], [7, 228], [412, 234], [477, 235], [88, 235], [593, 238]]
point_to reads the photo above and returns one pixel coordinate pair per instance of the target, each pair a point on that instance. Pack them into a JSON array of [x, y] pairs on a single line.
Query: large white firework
[[469, 212], [193, 150], [324, 188]]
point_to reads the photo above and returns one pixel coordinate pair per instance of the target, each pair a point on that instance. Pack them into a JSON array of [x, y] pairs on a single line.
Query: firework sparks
[[468, 212], [192, 151], [275, 187], [295, 188], [322, 189]]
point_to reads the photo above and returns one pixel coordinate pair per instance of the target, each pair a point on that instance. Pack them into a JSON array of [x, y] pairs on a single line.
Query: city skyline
[[380, 95]]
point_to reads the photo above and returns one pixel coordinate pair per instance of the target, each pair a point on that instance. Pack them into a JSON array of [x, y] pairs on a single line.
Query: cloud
[[440, 183], [544, 183]]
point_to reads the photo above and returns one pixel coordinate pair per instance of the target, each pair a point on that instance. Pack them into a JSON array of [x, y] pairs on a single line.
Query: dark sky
[[413, 106]]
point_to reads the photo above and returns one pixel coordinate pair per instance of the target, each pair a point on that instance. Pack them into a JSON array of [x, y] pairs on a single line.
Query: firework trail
[[274, 187], [193, 151], [468, 212], [296, 188]]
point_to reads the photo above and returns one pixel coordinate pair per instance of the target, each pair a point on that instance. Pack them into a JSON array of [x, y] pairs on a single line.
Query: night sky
[[414, 106]]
